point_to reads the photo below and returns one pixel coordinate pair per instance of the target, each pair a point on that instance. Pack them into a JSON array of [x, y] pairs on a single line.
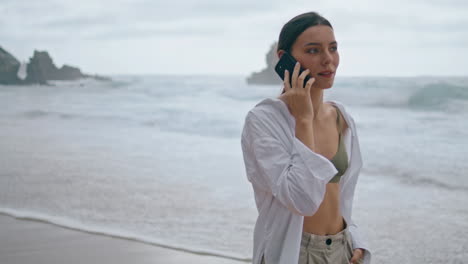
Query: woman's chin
[[326, 85]]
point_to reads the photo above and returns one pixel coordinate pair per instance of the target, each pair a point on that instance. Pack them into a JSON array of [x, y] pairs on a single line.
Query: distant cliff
[[267, 75], [9, 66], [40, 69]]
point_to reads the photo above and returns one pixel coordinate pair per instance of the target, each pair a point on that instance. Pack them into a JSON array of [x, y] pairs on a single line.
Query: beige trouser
[[334, 249]]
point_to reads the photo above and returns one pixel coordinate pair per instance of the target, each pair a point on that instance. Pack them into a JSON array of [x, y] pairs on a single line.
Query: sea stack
[[267, 76], [9, 66], [39, 70]]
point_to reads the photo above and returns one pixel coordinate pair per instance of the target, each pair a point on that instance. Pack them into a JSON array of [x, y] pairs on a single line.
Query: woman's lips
[[328, 75]]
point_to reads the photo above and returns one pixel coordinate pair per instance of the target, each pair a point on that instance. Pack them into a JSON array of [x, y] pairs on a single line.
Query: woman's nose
[[327, 58]]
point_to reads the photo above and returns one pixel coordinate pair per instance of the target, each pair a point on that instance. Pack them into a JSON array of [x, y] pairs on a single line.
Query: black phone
[[287, 62]]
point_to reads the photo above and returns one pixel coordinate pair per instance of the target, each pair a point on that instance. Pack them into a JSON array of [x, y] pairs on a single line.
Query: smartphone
[[287, 62]]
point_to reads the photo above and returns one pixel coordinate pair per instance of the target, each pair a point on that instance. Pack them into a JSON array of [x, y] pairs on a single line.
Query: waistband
[[310, 240]]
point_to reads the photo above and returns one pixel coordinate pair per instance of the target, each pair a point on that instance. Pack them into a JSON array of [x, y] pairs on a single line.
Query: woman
[[303, 159]]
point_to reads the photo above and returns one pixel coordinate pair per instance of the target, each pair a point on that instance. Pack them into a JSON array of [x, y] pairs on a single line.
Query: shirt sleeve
[[296, 175], [358, 240]]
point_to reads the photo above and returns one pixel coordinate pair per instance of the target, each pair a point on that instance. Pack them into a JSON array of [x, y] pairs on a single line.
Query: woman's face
[[317, 50]]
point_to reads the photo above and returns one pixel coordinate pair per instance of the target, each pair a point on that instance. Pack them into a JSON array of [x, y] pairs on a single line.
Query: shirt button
[[329, 241]]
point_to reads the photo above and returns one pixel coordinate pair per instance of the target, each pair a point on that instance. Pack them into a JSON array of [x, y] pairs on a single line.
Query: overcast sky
[[376, 37]]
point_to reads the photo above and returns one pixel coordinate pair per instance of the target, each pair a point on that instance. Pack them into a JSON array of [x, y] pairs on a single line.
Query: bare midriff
[[328, 219]]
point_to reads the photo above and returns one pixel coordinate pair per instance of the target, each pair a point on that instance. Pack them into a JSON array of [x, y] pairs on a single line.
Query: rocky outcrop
[[40, 69], [9, 66], [267, 75], [39, 66], [68, 73]]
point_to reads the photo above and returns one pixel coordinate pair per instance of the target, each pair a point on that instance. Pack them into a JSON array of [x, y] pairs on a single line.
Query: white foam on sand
[[24, 242], [115, 233]]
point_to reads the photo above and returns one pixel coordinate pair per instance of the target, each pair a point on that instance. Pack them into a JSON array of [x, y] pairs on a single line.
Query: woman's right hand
[[296, 96]]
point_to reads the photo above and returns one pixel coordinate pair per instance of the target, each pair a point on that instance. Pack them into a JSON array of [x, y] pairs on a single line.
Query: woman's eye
[[334, 48], [312, 51]]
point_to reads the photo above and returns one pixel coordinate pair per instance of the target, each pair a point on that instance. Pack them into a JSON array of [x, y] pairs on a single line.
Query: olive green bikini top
[[340, 160]]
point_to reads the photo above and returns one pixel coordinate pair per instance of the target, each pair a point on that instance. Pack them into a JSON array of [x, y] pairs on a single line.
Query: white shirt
[[289, 180]]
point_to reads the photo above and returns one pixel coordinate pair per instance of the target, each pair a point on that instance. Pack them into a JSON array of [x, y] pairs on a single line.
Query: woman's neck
[[316, 95]]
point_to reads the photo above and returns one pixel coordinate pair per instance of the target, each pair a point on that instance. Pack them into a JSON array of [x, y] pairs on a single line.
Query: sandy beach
[[25, 241]]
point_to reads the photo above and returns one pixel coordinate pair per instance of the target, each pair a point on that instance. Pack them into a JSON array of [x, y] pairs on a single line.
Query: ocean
[[157, 158]]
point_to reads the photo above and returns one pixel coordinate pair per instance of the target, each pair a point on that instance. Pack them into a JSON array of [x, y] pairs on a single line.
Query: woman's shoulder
[[271, 116], [344, 113], [338, 104], [271, 109], [269, 104]]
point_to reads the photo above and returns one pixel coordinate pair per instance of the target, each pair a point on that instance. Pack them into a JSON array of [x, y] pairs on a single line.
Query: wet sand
[[27, 241]]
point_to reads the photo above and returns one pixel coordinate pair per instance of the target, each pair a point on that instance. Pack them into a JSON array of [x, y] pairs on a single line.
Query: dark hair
[[298, 24]]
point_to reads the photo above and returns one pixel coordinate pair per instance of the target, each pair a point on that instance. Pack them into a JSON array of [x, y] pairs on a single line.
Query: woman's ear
[[280, 53]]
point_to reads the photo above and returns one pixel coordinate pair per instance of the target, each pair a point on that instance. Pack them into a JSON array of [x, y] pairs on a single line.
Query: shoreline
[[29, 240]]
